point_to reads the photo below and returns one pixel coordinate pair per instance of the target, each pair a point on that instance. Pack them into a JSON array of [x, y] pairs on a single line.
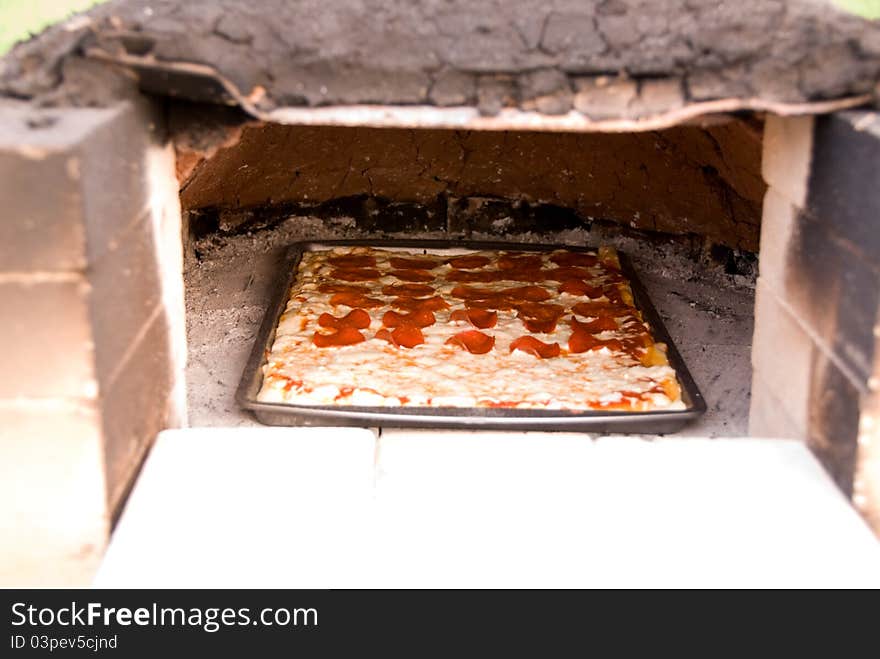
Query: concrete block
[[53, 516], [135, 405], [46, 338], [835, 294], [788, 144], [126, 289], [43, 224], [782, 358], [778, 222], [767, 414], [843, 182], [835, 409], [116, 172]]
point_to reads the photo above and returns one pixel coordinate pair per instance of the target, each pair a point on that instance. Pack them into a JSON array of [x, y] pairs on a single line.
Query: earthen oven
[[156, 157]]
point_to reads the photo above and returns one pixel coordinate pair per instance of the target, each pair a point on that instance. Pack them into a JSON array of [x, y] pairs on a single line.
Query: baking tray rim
[[252, 376]]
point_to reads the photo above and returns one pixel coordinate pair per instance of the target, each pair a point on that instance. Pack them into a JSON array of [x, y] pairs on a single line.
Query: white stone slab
[[334, 508], [230, 507]]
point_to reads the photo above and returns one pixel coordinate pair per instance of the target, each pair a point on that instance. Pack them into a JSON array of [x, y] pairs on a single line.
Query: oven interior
[[683, 203]]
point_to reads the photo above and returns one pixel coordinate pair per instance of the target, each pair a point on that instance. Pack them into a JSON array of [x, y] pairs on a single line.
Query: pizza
[[378, 327]]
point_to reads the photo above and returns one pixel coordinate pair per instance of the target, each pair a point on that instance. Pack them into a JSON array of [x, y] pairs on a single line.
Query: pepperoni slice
[[355, 274], [533, 346], [345, 336], [474, 341], [601, 309], [574, 259], [406, 336], [497, 302], [357, 289], [540, 318], [435, 303], [567, 272], [541, 311], [520, 262], [408, 290], [472, 293], [357, 318], [479, 318], [526, 293], [582, 339], [529, 293], [539, 326], [476, 276], [469, 262], [420, 318], [355, 300], [399, 263], [353, 261], [530, 276], [413, 275], [580, 287]]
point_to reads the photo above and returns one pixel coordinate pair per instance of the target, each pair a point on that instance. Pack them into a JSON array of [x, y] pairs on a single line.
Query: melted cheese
[[375, 372]]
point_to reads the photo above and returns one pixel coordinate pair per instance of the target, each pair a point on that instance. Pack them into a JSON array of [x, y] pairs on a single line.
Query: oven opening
[[683, 203]]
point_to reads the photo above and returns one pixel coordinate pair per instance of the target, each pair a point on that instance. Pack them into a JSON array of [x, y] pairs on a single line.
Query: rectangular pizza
[[379, 327]]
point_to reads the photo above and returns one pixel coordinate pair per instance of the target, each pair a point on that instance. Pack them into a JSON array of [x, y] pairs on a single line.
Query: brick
[[843, 181], [126, 289], [54, 518], [135, 406], [788, 143], [46, 337], [835, 405], [782, 355]]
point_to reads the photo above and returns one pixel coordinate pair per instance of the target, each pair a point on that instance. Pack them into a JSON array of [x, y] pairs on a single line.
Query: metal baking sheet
[[474, 418]]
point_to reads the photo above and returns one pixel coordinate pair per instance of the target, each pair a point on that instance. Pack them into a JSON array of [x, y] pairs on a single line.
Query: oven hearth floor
[[342, 508], [709, 315]]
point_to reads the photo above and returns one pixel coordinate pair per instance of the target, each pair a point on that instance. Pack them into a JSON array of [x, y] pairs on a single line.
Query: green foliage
[[864, 8], [21, 18]]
